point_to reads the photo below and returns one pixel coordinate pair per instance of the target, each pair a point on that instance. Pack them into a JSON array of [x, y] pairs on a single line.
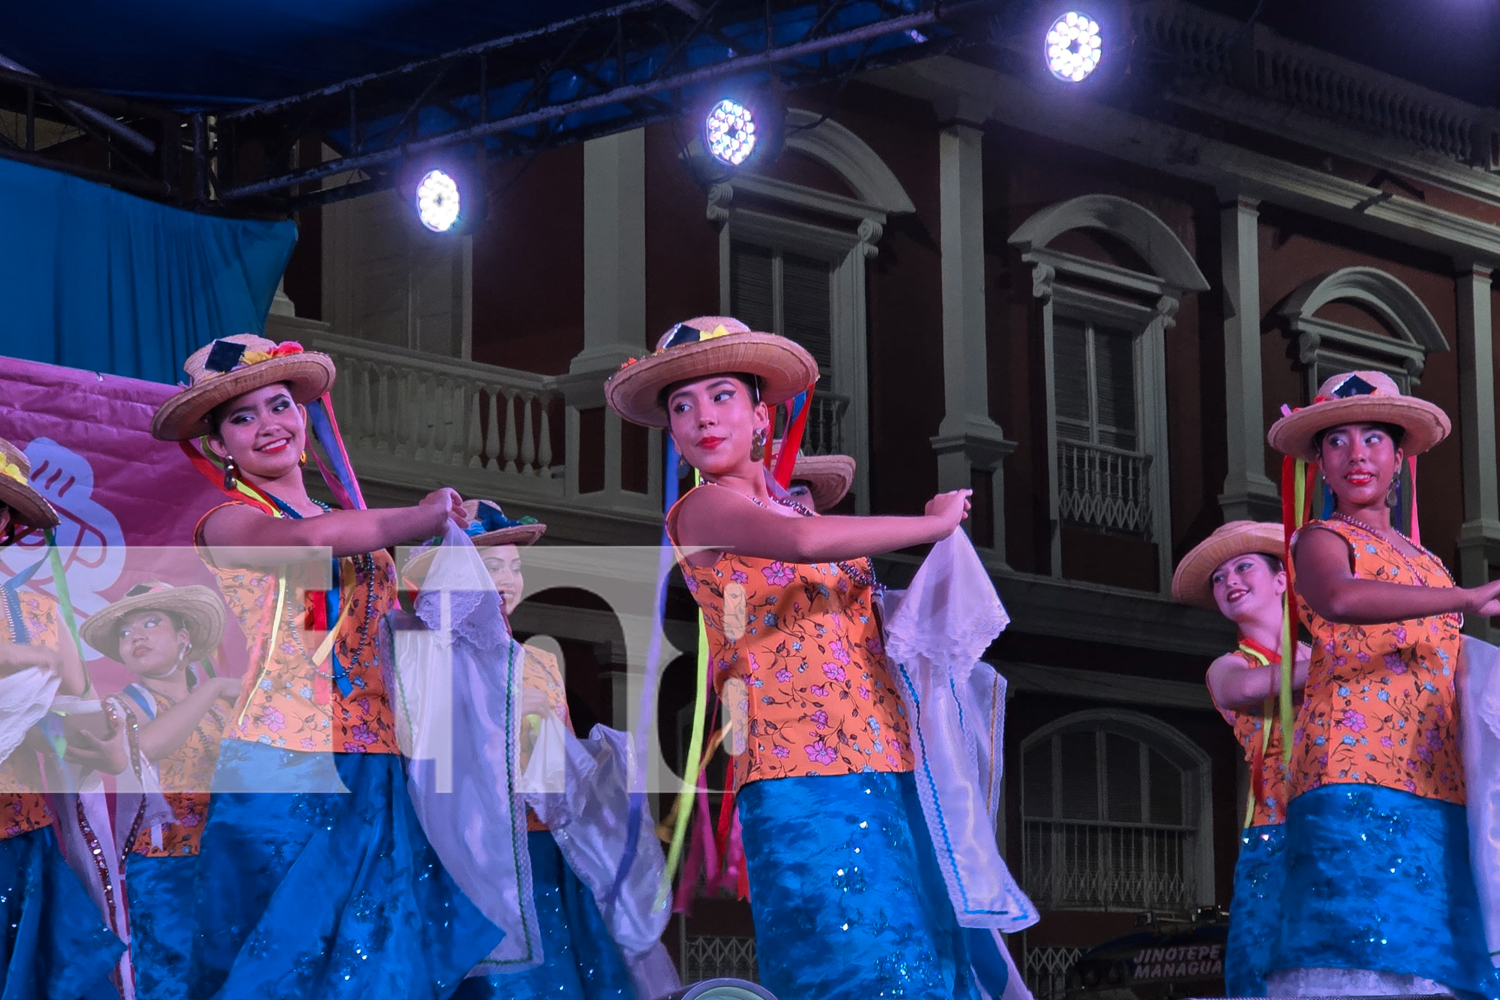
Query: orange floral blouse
[[1269, 807], [1380, 705], [804, 642], [190, 767], [289, 701], [21, 812]]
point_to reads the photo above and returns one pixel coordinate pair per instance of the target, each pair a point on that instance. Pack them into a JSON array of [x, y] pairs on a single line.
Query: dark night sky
[[1452, 46]]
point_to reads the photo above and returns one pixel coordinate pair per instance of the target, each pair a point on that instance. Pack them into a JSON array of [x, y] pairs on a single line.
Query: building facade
[[1086, 304]]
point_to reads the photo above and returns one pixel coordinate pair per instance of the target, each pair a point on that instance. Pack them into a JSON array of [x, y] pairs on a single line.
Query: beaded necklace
[[865, 576]]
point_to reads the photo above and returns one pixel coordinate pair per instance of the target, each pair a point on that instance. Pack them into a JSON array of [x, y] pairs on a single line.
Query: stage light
[[438, 201], [1074, 46], [729, 132]]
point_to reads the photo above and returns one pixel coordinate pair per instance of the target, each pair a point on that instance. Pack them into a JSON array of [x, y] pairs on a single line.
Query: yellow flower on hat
[[12, 470]]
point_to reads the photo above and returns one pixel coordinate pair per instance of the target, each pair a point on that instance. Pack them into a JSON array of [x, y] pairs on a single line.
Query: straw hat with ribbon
[[1193, 581], [488, 526], [28, 507], [232, 366], [828, 477], [708, 345], [1362, 397], [200, 610]]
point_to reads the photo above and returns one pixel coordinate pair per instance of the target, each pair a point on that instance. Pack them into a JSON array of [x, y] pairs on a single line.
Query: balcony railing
[[824, 433], [719, 958], [421, 420], [1104, 488], [1108, 866]]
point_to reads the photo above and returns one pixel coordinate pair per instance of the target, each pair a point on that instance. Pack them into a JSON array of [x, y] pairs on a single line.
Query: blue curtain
[[93, 278]]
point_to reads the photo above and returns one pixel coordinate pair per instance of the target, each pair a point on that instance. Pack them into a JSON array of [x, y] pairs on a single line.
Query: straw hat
[[1360, 397], [27, 506], [708, 345], [827, 476], [488, 526], [201, 611], [233, 366], [1192, 583]]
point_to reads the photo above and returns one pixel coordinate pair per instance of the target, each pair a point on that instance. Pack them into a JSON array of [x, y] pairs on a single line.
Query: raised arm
[[1238, 688], [1326, 581], [165, 734], [234, 534], [724, 520]]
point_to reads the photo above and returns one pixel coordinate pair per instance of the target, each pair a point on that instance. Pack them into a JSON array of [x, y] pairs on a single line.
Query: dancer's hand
[[1484, 601], [90, 752], [14, 657], [949, 509], [227, 689], [445, 505]]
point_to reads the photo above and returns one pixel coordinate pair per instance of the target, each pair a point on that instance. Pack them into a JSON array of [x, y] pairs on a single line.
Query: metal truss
[[597, 73], [129, 145]]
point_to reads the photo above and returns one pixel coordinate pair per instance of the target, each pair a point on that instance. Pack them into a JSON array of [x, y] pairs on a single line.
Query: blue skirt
[[846, 894], [1255, 911], [312, 895], [1380, 879], [53, 942], [160, 891], [580, 960]]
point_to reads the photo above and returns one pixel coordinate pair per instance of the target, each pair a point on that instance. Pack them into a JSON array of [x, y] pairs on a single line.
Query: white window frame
[[1148, 328], [1321, 342], [1150, 732]]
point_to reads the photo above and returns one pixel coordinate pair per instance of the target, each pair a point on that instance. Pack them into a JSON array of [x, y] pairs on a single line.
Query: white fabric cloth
[[1479, 743], [24, 698], [1349, 983], [936, 633]]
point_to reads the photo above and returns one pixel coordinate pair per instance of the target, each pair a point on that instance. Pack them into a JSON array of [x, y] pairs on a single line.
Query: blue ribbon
[[12, 589], [492, 518]]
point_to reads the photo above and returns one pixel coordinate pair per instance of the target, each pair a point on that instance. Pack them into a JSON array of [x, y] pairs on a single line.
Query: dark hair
[[751, 382], [1274, 563], [1395, 432]]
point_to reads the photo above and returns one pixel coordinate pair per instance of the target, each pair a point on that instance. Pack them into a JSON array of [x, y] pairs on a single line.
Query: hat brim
[[520, 534], [783, 366], [1425, 424], [185, 415], [828, 476], [27, 506], [201, 611], [1192, 583]]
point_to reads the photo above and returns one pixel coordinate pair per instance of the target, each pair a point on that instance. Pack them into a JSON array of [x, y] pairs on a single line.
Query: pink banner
[[128, 502]]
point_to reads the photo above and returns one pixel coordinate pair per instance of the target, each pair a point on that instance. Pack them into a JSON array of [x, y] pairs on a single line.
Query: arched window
[[1115, 811], [1103, 328], [792, 261], [1361, 318]]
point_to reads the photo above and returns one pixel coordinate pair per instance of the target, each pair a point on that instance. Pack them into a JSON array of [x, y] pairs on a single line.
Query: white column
[[614, 294], [1479, 538], [968, 440], [1248, 493]]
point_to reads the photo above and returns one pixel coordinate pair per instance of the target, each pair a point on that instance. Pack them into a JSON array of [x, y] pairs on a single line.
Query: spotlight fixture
[[439, 201], [1074, 46], [729, 132]]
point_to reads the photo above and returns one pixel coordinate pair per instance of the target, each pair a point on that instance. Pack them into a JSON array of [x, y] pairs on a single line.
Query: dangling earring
[[683, 469], [231, 471], [1393, 495], [303, 460], [758, 447]]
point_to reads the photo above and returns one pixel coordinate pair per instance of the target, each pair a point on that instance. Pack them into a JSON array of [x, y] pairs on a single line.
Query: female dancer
[[161, 633], [53, 944], [1238, 571], [1379, 895], [309, 895], [580, 961], [819, 482], [845, 892]]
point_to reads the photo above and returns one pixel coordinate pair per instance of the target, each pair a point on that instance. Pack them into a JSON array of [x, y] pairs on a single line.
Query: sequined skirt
[[846, 894], [1255, 910], [160, 892], [580, 961], [1379, 879], [314, 896], [53, 942]]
